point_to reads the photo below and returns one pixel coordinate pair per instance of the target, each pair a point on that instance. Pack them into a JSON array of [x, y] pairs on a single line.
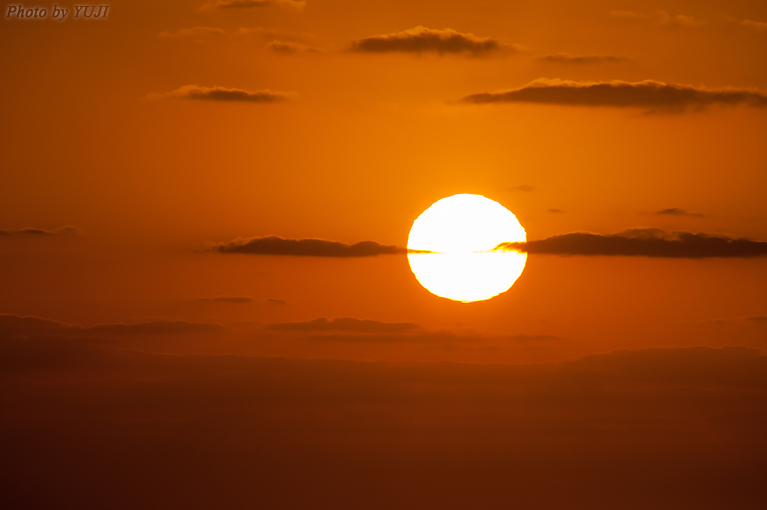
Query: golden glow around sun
[[460, 233]]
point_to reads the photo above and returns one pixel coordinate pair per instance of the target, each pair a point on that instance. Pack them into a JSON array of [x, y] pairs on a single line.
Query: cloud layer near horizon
[[232, 431], [198, 93], [649, 95], [644, 242], [428, 40], [274, 245]]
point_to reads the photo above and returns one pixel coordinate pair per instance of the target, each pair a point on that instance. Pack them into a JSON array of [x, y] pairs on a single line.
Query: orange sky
[[137, 144]]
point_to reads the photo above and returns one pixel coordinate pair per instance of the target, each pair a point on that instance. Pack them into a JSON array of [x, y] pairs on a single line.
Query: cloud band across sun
[[644, 242]]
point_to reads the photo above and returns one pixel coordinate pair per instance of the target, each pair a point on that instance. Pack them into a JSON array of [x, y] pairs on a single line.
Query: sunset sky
[[173, 334]]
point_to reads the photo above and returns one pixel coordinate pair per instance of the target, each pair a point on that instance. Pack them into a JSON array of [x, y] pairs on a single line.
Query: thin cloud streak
[[566, 58], [675, 211], [40, 232], [252, 4]]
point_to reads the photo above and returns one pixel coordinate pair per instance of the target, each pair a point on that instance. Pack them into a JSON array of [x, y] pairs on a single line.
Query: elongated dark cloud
[[226, 299], [40, 232], [345, 324], [675, 211], [566, 58], [252, 4], [644, 242], [198, 93], [759, 319], [650, 95], [428, 40], [273, 245], [276, 302], [16, 326]]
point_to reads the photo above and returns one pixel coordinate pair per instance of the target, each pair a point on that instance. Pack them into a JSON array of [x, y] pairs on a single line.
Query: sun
[[457, 237]]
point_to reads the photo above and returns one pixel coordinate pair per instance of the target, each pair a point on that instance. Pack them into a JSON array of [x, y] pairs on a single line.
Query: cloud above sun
[[428, 40], [199, 93], [252, 4], [649, 95]]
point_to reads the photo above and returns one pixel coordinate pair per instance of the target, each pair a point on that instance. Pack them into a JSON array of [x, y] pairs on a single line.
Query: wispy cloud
[[658, 18], [348, 324], [759, 26], [523, 187], [291, 48], [226, 299], [566, 58], [242, 34]]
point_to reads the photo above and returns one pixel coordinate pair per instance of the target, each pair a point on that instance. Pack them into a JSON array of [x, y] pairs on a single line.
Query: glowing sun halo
[[460, 233]]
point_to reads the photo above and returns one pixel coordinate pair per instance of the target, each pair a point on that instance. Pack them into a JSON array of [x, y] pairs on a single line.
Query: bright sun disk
[[461, 234]]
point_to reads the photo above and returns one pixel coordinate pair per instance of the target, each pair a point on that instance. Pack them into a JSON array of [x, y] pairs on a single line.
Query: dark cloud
[[198, 93], [677, 212], [644, 242], [648, 94], [566, 58], [39, 232], [759, 319], [273, 245], [226, 299], [278, 302], [345, 324], [555, 211], [252, 4], [427, 40]]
